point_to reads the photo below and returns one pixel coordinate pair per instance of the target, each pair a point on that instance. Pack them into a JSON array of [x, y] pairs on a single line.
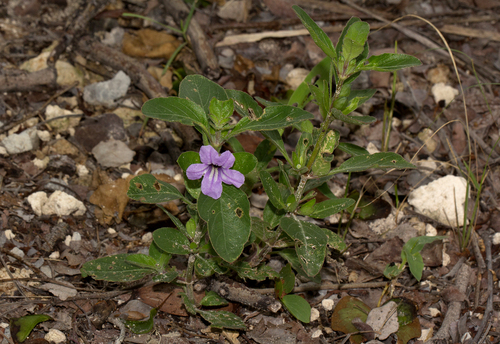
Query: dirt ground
[[67, 155]]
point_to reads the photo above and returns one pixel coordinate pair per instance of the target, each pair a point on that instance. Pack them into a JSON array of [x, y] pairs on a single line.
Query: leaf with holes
[[228, 221], [310, 243], [147, 189], [114, 269], [201, 90], [223, 319], [171, 241], [346, 310]]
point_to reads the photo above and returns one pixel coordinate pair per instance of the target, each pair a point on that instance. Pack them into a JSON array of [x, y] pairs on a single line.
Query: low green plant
[[411, 255], [220, 236]]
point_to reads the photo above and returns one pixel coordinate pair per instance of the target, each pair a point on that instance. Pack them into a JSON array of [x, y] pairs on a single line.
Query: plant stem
[[189, 278], [302, 185]]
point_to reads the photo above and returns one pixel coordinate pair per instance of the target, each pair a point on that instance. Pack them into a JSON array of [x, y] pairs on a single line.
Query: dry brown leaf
[[149, 43]]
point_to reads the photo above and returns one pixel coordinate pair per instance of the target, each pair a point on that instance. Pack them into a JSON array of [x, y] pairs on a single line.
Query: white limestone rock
[[437, 200], [106, 92], [59, 203], [23, 142]]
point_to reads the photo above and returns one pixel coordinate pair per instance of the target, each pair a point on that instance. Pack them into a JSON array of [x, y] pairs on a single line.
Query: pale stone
[[314, 314], [23, 142], [55, 255], [430, 230], [317, 333], [43, 135], [434, 312], [439, 199], [82, 171], [41, 163], [371, 148], [76, 237], [426, 136], [17, 251], [327, 304], [67, 241], [111, 231], [496, 239], [440, 91], [59, 203], [53, 111], [147, 238], [3, 151], [296, 77], [106, 92], [430, 165], [9, 235]]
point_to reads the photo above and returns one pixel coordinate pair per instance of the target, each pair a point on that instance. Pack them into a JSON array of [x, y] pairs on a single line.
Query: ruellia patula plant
[[220, 236]]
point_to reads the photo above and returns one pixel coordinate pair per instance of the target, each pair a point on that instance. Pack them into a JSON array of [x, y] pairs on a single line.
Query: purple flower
[[216, 169]]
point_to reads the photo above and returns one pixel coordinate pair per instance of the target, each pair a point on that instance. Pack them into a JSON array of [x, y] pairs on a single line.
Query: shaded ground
[[74, 146]]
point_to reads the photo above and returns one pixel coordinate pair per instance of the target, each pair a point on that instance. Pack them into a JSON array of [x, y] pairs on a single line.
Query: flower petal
[[208, 155], [211, 185], [232, 177], [225, 160], [196, 171]]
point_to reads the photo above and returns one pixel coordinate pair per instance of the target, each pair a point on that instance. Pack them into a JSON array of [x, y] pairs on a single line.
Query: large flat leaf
[[317, 34], [171, 240], [354, 40], [352, 149], [273, 117], [201, 91], [114, 269], [291, 256], [228, 221], [346, 310], [378, 160], [310, 243], [300, 308], [330, 207], [340, 42], [223, 319], [175, 109], [244, 103], [272, 189], [357, 120], [391, 62], [146, 188]]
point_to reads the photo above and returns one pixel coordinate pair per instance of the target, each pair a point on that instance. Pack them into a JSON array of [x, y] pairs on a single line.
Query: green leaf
[[171, 240], [298, 307], [356, 98], [245, 271], [393, 270], [357, 120], [275, 137], [412, 250], [261, 230], [142, 260], [184, 161], [165, 277], [286, 281], [317, 34], [272, 215], [221, 111], [330, 207], [291, 256], [147, 189], [264, 154], [352, 149], [200, 90], [244, 103], [272, 189], [188, 304], [228, 221], [175, 109], [321, 70], [346, 310], [22, 327], [142, 326], [378, 160], [391, 62], [354, 40], [161, 257], [223, 319], [335, 241], [273, 117], [310, 243], [211, 299], [244, 162], [114, 269], [340, 42]]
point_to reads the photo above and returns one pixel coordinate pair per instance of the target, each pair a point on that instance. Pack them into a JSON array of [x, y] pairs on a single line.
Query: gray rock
[[106, 92], [113, 153], [23, 142]]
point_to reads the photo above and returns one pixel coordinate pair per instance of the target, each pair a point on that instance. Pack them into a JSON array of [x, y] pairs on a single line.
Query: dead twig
[[489, 304]]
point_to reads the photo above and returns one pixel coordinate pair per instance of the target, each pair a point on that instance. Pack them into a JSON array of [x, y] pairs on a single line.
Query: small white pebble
[[446, 259], [55, 336], [4, 325], [9, 235], [148, 237], [76, 237], [314, 314], [316, 334], [178, 177], [426, 334], [55, 255], [43, 135], [327, 304], [3, 151], [430, 230], [41, 163], [111, 231], [82, 170], [496, 239], [371, 148], [434, 312], [67, 241], [71, 131], [17, 251], [125, 175]]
